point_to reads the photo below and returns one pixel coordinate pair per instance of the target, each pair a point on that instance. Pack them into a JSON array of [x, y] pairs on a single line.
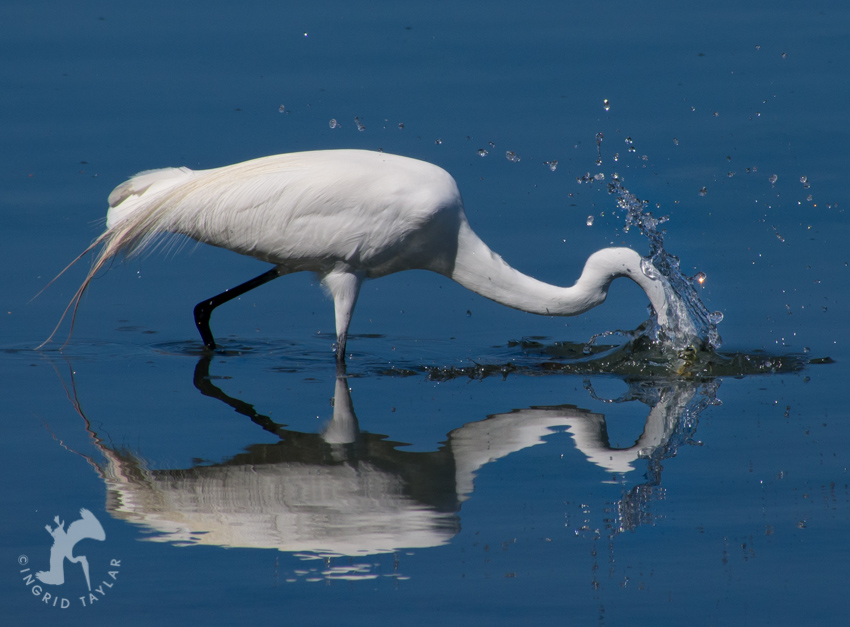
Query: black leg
[[204, 309]]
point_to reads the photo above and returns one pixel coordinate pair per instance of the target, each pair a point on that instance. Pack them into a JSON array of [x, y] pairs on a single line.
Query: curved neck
[[481, 270]]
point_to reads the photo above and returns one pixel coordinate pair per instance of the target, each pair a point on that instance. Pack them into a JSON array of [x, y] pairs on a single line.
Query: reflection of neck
[[479, 443], [591, 435]]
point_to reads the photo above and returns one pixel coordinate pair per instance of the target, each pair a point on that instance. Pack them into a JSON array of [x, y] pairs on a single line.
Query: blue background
[[747, 528]]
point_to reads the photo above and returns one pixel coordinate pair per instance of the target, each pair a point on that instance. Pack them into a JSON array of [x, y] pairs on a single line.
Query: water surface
[[475, 465]]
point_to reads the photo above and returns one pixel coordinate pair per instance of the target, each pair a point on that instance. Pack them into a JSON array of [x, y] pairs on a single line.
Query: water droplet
[[333, 123], [482, 152], [809, 198], [552, 164], [703, 191], [439, 142], [715, 317], [648, 269], [730, 174], [589, 220], [492, 145], [773, 178], [511, 156], [716, 114], [360, 126], [699, 277], [401, 125], [606, 105], [599, 177], [599, 138], [281, 109], [675, 141]]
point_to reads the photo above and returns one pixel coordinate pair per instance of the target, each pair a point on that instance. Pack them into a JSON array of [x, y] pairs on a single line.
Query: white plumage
[[347, 215]]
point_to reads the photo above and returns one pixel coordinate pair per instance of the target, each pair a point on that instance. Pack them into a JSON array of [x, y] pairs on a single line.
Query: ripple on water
[[378, 356], [638, 358]]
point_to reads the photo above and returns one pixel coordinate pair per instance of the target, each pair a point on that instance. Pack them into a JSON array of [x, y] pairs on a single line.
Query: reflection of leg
[[82, 559], [204, 309], [205, 386], [343, 427]]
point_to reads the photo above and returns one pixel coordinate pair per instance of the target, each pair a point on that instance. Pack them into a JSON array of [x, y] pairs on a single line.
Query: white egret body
[[348, 216]]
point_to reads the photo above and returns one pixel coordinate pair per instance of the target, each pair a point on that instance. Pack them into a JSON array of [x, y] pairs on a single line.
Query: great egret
[[348, 216]]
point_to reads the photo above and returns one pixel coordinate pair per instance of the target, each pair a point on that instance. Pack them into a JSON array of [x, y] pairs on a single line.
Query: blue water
[[467, 422]]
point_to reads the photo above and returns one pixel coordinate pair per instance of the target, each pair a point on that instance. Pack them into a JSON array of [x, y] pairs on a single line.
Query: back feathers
[[136, 216], [137, 191]]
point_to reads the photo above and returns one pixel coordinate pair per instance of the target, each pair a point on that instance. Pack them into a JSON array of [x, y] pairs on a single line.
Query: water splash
[[690, 326]]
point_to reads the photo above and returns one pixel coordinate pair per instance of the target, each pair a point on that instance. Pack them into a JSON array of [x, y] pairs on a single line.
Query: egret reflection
[[345, 491]]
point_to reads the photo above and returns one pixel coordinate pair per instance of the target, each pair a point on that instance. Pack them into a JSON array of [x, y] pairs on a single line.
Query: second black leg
[[204, 309]]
